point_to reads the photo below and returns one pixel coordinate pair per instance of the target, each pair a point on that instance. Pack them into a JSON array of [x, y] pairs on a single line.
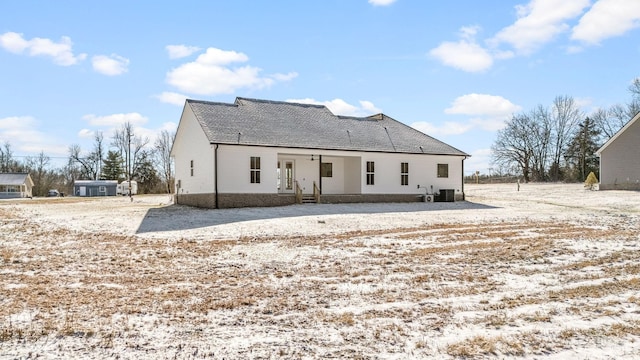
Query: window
[[102, 189], [326, 170], [443, 170], [191, 167], [370, 172], [404, 173], [255, 169]]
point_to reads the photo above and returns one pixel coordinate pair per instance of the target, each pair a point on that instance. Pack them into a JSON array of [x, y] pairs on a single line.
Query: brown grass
[[338, 297]]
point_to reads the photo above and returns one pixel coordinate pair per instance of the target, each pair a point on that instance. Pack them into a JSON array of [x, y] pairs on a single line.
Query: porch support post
[[320, 173]]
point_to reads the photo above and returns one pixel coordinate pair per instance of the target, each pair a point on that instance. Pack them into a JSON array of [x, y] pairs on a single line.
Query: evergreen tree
[[145, 173], [112, 167], [581, 152]]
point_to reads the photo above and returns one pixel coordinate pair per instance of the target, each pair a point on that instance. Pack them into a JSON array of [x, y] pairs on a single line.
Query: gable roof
[[616, 135], [285, 124], [15, 179]]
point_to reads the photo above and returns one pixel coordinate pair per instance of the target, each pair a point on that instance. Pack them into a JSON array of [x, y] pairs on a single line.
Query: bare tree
[[513, 146], [162, 147], [565, 116], [634, 88], [7, 163], [37, 166], [131, 148], [97, 155], [540, 138], [86, 168], [91, 164]]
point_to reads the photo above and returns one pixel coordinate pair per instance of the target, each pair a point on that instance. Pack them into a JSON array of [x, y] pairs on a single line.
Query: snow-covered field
[[550, 271]]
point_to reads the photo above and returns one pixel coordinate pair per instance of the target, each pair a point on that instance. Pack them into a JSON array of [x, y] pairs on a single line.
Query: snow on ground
[[549, 271]]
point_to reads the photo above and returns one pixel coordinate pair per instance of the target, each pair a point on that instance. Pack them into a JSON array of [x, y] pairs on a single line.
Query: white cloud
[[115, 119], [607, 18], [285, 77], [110, 65], [464, 54], [381, 2], [489, 123], [172, 98], [180, 51], [210, 74], [22, 134], [482, 104], [60, 52], [109, 124], [152, 134], [489, 111], [86, 134], [539, 22], [341, 107], [447, 128]]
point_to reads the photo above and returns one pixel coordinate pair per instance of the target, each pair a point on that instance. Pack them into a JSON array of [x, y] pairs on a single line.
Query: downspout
[[215, 174]]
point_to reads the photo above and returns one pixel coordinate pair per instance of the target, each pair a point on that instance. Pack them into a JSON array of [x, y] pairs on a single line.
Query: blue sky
[[455, 70]]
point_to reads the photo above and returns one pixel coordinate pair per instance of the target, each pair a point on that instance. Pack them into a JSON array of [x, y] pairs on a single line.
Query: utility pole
[[129, 161]]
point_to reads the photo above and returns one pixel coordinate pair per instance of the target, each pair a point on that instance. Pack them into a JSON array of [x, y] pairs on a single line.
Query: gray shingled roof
[[13, 178], [285, 124]]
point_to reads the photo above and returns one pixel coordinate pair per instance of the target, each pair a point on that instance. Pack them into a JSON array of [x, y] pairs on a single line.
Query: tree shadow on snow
[[179, 217]]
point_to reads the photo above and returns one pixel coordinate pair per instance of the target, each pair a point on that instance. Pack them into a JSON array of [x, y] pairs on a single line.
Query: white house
[[620, 158], [269, 153], [15, 185]]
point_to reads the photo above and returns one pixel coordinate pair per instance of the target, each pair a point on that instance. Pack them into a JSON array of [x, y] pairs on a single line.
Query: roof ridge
[[209, 102], [239, 99]]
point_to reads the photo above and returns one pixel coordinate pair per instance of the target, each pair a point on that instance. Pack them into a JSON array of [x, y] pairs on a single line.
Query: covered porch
[[311, 176]]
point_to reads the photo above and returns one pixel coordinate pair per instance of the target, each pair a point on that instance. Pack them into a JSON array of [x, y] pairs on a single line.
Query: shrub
[[590, 181]]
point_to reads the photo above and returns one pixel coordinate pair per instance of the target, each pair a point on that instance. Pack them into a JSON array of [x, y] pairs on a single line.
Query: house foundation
[[267, 200]]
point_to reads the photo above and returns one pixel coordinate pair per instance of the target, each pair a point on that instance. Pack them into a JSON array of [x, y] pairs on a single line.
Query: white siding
[[336, 183], [423, 171], [234, 169], [191, 144]]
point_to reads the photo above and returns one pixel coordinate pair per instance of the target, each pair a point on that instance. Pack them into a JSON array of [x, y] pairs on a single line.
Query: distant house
[[15, 185], [620, 158], [268, 153], [95, 187]]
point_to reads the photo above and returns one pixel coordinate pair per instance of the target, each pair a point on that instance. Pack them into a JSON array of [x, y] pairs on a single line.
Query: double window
[[404, 173], [191, 167], [370, 173], [255, 169]]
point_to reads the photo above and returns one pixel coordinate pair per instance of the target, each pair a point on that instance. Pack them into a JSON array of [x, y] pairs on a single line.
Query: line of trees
[[127, 156], [559, 143]]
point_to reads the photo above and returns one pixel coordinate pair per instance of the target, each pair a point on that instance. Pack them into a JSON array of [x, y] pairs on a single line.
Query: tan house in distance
[[620, 158], [15, 185]]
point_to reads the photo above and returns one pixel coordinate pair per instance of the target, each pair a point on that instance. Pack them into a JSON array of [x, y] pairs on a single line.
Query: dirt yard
[[550, 271]]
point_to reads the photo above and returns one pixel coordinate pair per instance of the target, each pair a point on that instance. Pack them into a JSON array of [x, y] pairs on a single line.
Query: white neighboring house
[[270, 153], [15, 185], [620, 158]]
